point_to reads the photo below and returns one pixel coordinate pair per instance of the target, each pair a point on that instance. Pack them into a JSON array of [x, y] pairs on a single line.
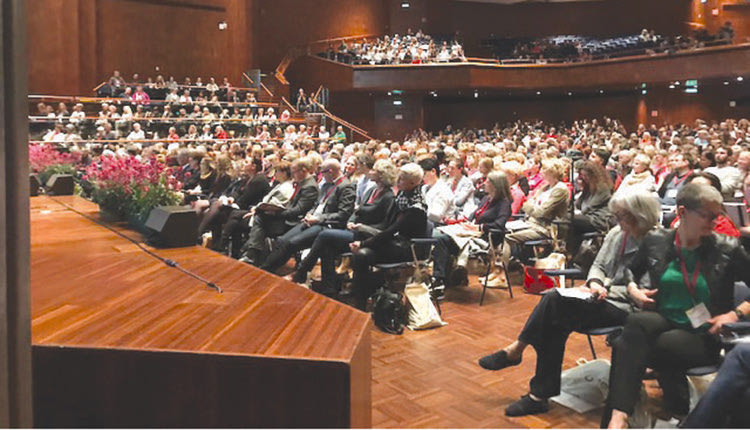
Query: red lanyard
[[481, 210], [622, 246], [688, 284], [677, 183], [296, 188], [374, 195], [335, 184]]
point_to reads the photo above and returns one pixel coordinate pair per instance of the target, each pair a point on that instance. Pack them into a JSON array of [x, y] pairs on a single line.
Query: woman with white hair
[[556, 316], [639, 178], [393, 243], [692, 271]]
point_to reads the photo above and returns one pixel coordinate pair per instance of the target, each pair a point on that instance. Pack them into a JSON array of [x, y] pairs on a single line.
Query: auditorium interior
[[149, 282]]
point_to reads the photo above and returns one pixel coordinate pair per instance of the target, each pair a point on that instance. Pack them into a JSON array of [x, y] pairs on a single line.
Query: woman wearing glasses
[[693, 271], [556, 316]]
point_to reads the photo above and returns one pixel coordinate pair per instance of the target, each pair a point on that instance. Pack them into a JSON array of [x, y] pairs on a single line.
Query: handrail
[[343, 122], [39, 119], [249, 79], [236, 139], [682, 52], [336, 39], [84, 99], [179, 86], [262, 85], [284, 100], [317, 93]]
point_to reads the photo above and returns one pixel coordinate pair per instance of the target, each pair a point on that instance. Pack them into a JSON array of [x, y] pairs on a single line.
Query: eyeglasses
[[325, 170], [708, 216]]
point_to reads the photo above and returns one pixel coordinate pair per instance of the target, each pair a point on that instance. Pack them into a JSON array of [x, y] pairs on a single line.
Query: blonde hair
[[555, 167]]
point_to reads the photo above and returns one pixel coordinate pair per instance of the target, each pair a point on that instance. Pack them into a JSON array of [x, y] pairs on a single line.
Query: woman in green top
[[692, 270]]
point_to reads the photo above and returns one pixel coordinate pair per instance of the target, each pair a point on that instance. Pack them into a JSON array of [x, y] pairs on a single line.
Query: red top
[[722, 225]]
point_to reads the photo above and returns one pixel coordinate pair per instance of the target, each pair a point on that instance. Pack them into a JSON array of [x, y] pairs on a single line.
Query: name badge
[[698, 315], [671, 194]]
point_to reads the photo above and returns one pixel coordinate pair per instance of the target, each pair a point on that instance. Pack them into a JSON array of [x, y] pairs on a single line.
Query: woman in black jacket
[[370, 218], [492, 214], [692, 270], [392, 244], [592, 214]]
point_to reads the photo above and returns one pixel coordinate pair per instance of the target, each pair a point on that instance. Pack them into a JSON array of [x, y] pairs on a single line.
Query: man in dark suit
[[334, 207], [271, 222]]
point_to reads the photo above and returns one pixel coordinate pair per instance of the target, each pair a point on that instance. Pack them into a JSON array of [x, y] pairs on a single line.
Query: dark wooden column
[[15, 332]]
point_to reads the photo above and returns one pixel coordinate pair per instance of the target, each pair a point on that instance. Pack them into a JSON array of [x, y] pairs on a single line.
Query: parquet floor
[[432, 379]]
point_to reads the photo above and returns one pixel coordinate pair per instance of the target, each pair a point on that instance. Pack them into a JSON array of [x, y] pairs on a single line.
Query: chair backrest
[[737, 212]]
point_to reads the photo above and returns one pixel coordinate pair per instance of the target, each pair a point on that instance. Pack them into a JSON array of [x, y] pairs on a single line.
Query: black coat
[[340, 205], [301, 203], [375, 214], [495, 216], [723, 261], [252, 191]]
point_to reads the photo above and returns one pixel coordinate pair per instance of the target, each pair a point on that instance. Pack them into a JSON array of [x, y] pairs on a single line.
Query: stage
[[122, 340]]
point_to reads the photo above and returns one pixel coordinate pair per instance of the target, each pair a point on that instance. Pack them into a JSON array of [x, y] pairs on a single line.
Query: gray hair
[[696, 195], [412, 172], [642, 205], [387, 171]]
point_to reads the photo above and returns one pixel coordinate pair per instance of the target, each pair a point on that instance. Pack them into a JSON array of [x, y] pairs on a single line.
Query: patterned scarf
[[410, 199]]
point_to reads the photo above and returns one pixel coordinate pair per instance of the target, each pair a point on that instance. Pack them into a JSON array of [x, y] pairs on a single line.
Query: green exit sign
[[691, 83]]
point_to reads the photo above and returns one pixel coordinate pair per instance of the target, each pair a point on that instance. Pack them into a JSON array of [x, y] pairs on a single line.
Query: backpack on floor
[[389, 311]]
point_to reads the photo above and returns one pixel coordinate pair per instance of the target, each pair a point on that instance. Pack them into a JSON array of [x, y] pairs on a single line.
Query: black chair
[[422, 252], [496, 238], [610, 332]]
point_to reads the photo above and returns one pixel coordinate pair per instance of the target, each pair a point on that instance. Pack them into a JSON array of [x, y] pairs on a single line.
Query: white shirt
[[439, 198]]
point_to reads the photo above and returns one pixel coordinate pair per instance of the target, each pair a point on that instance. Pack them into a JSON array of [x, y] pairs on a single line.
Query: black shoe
[[526, 406], [497, 361], [459, 276]]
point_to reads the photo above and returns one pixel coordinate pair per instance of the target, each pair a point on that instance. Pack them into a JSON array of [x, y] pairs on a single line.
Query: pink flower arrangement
[[42, 156], [130, 188]]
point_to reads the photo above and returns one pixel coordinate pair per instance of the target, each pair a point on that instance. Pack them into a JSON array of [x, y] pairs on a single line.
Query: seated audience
[[334, 206], [274, 220], [371, 217], [556, 316], [392, 244], [692, 271], [492, 214]]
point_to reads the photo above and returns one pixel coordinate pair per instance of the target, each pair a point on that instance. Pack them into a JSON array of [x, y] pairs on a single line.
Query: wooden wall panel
[[53, 47], [282, 24], [181, 41], [75, 44], [672, 106], [92, 387]]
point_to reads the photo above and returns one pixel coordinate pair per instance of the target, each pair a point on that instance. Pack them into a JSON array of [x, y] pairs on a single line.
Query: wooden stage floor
[[426, 379]]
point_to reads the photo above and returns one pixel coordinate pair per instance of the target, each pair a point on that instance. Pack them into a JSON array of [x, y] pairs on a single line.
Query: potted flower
[[127, 188], [46, 160]]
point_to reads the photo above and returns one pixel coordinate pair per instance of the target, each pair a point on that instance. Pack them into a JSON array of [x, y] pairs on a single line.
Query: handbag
[[422, 312]]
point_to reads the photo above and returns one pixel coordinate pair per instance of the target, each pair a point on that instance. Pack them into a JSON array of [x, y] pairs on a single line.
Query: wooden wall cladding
[[282, 24], [75, 44], [87, 387]]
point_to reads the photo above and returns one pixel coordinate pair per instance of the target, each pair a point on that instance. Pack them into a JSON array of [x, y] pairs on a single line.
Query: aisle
[[432, 379]]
